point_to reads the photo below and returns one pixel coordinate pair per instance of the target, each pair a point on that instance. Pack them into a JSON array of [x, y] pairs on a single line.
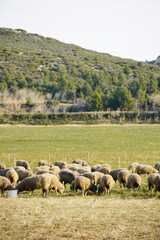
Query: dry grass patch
[[79, 218]]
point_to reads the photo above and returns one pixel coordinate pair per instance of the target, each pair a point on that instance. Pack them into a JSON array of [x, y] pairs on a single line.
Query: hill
[[41, 74]]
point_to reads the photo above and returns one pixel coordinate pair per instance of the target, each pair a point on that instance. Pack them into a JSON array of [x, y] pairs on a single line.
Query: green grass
[[96, 144]]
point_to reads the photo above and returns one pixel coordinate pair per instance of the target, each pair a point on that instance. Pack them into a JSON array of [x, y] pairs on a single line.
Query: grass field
[[124, 214]]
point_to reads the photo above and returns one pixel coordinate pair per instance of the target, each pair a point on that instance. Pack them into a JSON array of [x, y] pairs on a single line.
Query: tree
[[22, 83], [125, 99], [95, 102]]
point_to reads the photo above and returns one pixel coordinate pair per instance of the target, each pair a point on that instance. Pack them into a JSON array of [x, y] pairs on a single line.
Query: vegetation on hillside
[[64, 73]]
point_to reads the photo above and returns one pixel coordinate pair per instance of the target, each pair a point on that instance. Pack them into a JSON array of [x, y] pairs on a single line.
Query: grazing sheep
[[156, 182], [106, 165], [157, 166], [98, 176], [42, 171], [19, 167], [106, 183], [84, 184], [104, 170], [81, 162], [95, 167], [55, 183], [12, 176], [5, 184], [132, 167], [44, 163], [60, 164], [122, 177], [114, 173], [150, 180], [35, 182], [134, 181], [91, 176], [55, 169], [4, 171], [67, 176], [40, 168], [23, 163], [145, 169], [23, 174], [81, 171], [2, 166]]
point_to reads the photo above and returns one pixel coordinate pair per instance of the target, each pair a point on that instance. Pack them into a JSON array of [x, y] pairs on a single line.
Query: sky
[[123, 28]]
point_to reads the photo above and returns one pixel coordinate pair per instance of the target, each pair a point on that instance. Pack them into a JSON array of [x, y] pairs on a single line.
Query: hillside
[[41, 74]]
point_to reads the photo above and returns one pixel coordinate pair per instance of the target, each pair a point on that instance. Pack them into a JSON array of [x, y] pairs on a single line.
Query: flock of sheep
[[78, 174]]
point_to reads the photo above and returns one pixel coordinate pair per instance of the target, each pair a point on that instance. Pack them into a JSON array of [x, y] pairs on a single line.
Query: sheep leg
[[56, 191], [83, 193]]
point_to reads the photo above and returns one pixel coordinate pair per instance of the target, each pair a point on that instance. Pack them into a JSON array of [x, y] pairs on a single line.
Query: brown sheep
[[55, 183], [114, 173], [44, 163], [145, 169], [98, 176], [156, 182], [60, 164], [150, 180], [81, 162], [4, 171], [95, 167], [23, 174], [84, 184], [134, 181], [91, 176], [12, 176], [104, 170], [106, 183], [42, 171], [23, 163], [132, 167], [35, 182], [67, 176], [157, 166], [122, 177], [5, 184], [2, 166]]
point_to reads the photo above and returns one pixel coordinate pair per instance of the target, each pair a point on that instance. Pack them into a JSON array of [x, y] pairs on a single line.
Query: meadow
[[124, 214]]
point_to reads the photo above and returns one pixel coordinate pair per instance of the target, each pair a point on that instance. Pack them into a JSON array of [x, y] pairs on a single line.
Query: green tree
[[125, 99], [22, 83], [95, 102]]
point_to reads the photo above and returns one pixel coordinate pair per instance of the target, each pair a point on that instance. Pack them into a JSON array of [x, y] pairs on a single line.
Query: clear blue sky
[[124, 28]]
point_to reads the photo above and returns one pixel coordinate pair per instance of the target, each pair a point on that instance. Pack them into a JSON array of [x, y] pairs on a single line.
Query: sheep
[[95, 167], [81, 162], [23, 163], [40, 168], [5, 184], [91, 176], [157, 166], [23, 174], [106, 183], [134, 181], [55, 183], [4, 171], [12, 176], [132, 167], [60, 164], [150, 180], [104, 170], [67, 176], [105, 165], [35, 182], [42, 171], [44, 163], [156, 182], [84, 184], [145, 169], [2, 166], [81, 170], [55, 169], [114, 173], [122, 177], [98, 176], [19, 167]]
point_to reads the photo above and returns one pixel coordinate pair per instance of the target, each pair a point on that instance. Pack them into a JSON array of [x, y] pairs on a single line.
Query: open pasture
[[124, 214]]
